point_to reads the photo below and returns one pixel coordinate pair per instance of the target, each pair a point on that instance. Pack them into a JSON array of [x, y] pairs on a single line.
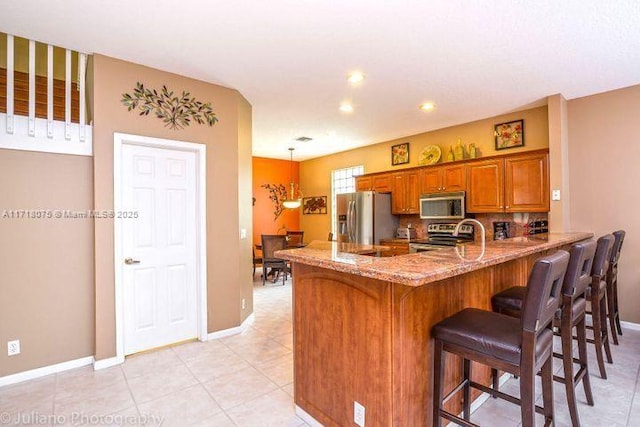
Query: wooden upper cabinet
[[378, 182], [527, 183], [515, 183], [443, 179], [382, 183], [405, 194], [364, 183], [485, 183]]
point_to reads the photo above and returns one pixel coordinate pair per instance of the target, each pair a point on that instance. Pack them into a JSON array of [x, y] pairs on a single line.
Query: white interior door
[[159, 275]]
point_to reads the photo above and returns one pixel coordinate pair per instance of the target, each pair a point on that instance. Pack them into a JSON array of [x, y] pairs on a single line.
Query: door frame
[[119, 140]]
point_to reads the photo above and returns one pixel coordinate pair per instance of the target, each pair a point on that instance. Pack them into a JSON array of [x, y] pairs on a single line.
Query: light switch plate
[[243, 233], [555, 195]]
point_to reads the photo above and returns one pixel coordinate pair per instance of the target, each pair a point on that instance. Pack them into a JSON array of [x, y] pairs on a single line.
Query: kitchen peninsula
[[362, 324]]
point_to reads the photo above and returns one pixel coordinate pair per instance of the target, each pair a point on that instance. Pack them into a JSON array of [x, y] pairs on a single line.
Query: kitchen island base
[[360, 339]]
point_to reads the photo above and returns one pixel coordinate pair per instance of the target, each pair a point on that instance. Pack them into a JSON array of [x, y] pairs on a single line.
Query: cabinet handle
[[506, 207]]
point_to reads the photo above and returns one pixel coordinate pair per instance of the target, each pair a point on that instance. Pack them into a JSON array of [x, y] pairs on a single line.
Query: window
[[342, 181]]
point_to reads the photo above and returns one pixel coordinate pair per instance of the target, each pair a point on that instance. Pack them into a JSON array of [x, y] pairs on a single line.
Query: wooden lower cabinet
[[397, 247]]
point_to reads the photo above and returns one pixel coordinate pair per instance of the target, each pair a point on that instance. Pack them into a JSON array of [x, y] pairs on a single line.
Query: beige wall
[[604, 150], [315, 174], [228, 171], [47, 290]]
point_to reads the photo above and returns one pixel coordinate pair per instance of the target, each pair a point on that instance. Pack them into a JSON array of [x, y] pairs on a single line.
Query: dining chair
[[256, 260], [295, 237], [270, 244]]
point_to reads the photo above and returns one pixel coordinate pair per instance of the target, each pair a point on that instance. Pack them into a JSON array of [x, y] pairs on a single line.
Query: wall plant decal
[[277, 194], [175, 111]]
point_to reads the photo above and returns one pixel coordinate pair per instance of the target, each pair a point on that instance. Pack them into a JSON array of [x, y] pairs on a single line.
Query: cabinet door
[[527, 183], [485, 186], [454, 178], [363, 183], [382, 183], [397, 193], [430, 180], [412, 194]]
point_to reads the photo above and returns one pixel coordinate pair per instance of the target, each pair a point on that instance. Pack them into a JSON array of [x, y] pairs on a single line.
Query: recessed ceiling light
[[346, 108], [427, 106], [355, 77]]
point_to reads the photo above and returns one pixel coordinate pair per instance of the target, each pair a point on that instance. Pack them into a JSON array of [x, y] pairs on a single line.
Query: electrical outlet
[[244, 303], [358, 414], [555, 195], [13, 347]]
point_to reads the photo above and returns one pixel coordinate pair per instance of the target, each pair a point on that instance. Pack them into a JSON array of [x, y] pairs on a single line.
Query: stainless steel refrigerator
[[364, 217]]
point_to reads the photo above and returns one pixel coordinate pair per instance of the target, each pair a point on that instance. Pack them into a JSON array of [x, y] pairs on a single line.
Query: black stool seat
[[494, 334]]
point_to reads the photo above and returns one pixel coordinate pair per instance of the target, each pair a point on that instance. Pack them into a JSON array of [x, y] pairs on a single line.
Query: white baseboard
[[107, 363], [304, 416], [232, 331], [630, 325], [44, 371]]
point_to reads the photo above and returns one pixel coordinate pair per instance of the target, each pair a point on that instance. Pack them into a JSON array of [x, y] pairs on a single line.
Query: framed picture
[[314, 205], [400, 154], [509, 135]]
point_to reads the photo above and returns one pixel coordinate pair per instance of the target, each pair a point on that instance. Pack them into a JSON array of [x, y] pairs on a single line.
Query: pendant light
[[292, 201]]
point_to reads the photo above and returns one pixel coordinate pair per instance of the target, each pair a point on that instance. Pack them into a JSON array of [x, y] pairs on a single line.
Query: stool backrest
[[617, 246], [603, 254], [578, 276], [543, 291]]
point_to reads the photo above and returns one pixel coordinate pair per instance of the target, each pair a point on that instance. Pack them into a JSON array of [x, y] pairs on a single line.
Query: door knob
[[130, 261]]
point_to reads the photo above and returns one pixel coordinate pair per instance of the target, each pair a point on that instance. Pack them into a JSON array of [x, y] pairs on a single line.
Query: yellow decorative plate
[[430, 155]]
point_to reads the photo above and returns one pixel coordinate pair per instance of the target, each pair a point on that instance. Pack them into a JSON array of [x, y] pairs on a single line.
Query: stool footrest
[[505, 396], [454, 391], [455, 419]]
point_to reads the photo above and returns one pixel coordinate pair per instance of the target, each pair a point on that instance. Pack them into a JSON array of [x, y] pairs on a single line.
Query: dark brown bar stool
[[612, 286], [521, 347], [571, 315], [597, 299]]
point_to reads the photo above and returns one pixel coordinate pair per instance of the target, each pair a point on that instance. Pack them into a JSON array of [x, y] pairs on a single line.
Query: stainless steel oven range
[[441, 236]]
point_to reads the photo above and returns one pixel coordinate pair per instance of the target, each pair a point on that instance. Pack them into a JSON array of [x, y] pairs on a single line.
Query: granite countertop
[[424, 267]]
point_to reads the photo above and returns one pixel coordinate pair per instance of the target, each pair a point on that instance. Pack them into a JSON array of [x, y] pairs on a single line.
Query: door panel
[[160, 292], [527, 183], [486, 183]]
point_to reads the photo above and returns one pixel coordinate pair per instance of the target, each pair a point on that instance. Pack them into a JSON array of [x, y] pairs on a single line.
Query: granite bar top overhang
[[424, 267]]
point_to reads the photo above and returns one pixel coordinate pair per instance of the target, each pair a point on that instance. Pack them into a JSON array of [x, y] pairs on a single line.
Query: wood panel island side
[[362, 324]]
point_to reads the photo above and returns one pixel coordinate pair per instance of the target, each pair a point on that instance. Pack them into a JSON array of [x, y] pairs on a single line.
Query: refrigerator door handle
[[353, 223], [348, 221]]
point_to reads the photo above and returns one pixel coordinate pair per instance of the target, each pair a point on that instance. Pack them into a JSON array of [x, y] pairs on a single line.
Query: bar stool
[[597, 299], [571, 315], [521, 347], [613, 312]]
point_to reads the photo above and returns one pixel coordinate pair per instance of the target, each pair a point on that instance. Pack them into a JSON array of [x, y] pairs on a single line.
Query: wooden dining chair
[[295, 237], [270, 244]]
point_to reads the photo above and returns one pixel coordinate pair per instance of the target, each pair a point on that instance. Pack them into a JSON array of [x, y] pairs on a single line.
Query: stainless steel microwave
[[442, 206]]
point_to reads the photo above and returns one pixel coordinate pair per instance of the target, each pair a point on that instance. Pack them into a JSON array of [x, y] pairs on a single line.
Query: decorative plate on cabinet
[[430, 155]]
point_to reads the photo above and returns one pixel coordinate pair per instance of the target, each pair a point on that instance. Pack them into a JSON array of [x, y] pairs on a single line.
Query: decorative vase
[[458, 152], [472, 151], [450, 156]]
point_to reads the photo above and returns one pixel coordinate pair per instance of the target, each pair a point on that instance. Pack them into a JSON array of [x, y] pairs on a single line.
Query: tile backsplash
[[518, 223]]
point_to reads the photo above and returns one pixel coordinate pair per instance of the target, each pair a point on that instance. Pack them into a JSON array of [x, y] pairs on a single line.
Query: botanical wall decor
[[277, 194], [175, 111], [314, 205], [509, 135], [400, 154]]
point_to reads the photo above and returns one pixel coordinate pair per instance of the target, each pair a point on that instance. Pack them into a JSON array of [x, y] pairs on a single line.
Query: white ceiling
[[290, 58]]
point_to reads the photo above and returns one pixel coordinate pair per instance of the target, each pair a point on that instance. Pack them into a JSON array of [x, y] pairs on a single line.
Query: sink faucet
[[456, 231]]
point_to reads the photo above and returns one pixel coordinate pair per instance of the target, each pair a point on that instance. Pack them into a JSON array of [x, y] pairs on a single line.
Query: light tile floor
[[247, 380]]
